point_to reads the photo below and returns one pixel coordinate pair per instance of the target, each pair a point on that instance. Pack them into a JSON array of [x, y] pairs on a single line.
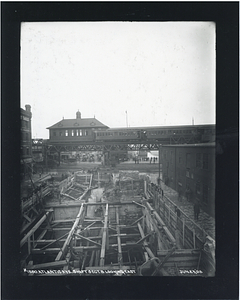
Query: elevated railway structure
[[126, 139]]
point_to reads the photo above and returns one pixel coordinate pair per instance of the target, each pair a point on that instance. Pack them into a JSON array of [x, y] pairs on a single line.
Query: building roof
[[209, 144], [78, 123]]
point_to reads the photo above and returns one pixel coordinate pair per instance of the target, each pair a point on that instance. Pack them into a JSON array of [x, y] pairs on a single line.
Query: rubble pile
[[130, 182]]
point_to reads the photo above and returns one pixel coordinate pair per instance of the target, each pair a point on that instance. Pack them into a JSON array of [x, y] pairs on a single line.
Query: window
[[86, 132], [205, 161], [205, 193], [180, 158], [188, 160], [198, 188], [66, 132], [188, 173], [80, 132], [165, 155], [60, 133], [179, 173], [171, 159], [77, 132], [72, 132], [199, 160]]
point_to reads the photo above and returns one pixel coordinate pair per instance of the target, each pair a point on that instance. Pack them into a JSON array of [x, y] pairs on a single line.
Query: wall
[[191, 166]]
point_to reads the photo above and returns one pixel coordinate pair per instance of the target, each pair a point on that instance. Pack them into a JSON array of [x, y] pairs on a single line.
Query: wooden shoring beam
[[135, 222], [161, 244], [149, 251], [97, 237], [49, 250], [143, 239], [138, 204], [63, 251], [168, 233], [125, 245], [60, 228], [163, 261], [104, 238], [95, 220], [131, 245], [46, 246], [74, 190], [35, 227], [27, 218], [89, 226], [49, 241], [125, 235], [120, 257], [41, 235], [85, 255], [87, 239], [92, 258], [48, 265], [160, 221], [63, 221], [66, 195], [97, 252]]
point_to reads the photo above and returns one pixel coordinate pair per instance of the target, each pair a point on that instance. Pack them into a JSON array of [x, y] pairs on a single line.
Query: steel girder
[[103, 147]]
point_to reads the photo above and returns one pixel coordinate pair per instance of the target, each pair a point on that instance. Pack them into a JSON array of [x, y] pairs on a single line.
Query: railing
[[35, 198], [190, 234]]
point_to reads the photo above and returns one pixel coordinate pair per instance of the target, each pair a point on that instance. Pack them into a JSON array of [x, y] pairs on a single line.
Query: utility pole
[[159, 161], [126, 118]]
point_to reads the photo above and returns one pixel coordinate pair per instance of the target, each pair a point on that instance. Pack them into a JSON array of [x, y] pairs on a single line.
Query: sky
[[123, 73]]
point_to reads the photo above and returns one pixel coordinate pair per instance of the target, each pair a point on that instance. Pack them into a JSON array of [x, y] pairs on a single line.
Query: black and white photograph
[[120, 151], [118, 148]]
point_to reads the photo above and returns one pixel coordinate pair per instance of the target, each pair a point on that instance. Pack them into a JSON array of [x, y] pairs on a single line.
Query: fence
[[190, 235]]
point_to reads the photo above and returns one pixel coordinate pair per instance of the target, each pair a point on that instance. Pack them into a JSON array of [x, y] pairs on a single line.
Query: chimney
[[28, 107], [78, 115]]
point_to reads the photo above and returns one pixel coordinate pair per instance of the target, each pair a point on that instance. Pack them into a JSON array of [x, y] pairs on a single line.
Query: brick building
[[78, 129], [26, 140], [190, 169]]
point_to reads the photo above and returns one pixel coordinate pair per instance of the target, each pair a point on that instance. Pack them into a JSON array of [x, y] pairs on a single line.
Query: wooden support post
[[85, 254], [169, 212], [92, 258], [149, 251], [29, 245], [62, 252], [144, 219], [102, 255], [120, 258], [194, 239], [183, 233]]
